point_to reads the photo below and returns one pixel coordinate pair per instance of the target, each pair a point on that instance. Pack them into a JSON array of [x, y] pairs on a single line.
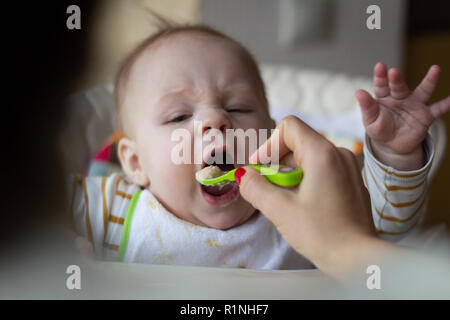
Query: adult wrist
[[351, 259]]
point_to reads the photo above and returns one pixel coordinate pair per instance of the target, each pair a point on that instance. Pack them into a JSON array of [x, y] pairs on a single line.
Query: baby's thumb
[[368, 105], [261, 194]]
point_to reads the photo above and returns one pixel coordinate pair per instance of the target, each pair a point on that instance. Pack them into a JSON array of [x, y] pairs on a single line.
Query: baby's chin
[[196, 210], [230, 217]]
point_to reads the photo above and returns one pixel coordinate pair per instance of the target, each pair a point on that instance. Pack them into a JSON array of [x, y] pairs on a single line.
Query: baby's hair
[[166, 30]]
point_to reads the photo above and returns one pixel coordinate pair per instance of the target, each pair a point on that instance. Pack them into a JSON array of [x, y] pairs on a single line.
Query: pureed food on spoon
[[208, 173]]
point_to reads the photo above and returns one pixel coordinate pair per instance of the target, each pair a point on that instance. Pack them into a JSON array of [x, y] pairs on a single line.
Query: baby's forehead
[[194, 38], [180, 49], [190, 58]]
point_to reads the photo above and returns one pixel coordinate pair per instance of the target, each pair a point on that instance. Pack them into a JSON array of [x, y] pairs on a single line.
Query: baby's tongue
[[218, 190]]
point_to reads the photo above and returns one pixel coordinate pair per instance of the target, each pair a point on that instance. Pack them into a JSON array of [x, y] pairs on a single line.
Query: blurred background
[[327, 35]]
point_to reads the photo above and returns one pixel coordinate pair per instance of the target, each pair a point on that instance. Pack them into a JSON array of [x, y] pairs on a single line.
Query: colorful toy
[[106, 161]]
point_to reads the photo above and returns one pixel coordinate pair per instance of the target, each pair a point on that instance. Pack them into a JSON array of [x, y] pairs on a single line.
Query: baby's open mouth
[[220, 194], [218, 190]]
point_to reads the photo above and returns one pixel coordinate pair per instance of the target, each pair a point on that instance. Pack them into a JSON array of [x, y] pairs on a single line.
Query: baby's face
[[185, 79]]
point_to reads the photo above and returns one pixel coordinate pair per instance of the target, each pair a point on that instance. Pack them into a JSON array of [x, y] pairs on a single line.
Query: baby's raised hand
[[397, 120]]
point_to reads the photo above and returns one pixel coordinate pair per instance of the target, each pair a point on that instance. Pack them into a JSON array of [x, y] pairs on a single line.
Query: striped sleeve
[[398, 198], [121, 198], [98, 207]]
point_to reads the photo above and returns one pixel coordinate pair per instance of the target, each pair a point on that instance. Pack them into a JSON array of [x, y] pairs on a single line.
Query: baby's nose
[[214, 119]]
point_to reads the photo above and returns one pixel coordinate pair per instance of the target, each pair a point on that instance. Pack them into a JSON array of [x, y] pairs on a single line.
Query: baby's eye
[[180, 118], [238, 110]]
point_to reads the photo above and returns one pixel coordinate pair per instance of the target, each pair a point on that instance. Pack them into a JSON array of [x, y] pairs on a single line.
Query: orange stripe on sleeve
[[118, 182], [402, 175], [394, 219], [111, 246], [123, 194], [396, 205], [122, 179], [365, 178], [127, 182], [395, 188], [379, 231], [117, 220]]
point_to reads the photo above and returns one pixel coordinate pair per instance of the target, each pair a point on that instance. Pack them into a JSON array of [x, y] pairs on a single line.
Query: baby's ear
[[129, 159]]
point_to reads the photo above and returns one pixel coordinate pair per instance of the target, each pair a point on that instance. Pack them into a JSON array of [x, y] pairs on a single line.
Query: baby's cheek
[[174, 177]]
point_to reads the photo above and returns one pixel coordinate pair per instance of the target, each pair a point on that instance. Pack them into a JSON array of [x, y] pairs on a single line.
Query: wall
[[350, 48], [119, 25]]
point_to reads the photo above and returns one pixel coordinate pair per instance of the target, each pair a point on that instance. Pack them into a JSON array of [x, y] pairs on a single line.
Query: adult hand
[[328, 214]]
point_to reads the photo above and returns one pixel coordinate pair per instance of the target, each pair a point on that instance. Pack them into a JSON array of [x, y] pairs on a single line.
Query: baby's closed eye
[[234, 109], [180, 118], [238, 108]]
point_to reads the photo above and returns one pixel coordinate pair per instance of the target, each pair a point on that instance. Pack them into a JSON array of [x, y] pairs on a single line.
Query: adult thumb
[[261, 194]]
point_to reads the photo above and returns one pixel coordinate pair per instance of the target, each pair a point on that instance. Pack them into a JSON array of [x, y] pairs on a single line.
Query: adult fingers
[[352, 166], [289, 160], [351, 161], [359, 191], [263, 195], [291, 135]]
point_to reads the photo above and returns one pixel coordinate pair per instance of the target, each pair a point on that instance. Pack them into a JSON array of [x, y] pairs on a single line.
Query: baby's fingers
[[369, 107], [380, 81], [441, 107], [399, 89], [426, 88]]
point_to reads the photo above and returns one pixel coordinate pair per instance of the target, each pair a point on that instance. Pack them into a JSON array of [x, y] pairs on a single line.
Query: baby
[[160, 214]]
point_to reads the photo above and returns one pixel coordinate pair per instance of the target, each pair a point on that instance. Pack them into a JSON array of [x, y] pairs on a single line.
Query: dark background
[[428, 43]]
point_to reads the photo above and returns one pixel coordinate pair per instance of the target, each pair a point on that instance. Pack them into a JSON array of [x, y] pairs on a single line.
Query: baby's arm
[[398, 150], [398, 198]]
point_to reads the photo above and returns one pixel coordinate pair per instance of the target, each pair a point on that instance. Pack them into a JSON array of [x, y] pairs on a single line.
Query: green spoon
[[285, 176]]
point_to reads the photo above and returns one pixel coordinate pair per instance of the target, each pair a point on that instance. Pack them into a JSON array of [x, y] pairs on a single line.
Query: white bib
[[157, 236]]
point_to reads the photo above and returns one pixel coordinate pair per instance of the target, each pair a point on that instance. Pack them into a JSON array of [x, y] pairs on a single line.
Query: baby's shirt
[[398, 198], [125, 223]]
